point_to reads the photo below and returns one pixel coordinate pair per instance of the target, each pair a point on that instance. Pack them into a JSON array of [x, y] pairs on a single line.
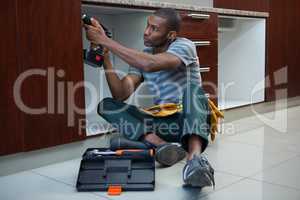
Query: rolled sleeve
[[135, 71], [185, 50]]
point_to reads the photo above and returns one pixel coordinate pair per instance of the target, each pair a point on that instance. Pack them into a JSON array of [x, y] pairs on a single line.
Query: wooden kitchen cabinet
[[49, 35], [253, 5], [40, 36], [11, 128], [202, 29], [208, 52], [197, 25], [209, 75]]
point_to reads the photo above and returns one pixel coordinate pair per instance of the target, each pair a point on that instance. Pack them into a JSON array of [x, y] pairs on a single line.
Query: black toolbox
[[101, 173]]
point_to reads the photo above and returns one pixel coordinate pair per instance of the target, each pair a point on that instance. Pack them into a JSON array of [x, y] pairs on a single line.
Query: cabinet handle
[[204, 69], [198, 16], [201, 43]]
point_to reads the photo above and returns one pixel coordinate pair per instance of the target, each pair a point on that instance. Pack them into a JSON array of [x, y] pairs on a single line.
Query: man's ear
[[172, 35]]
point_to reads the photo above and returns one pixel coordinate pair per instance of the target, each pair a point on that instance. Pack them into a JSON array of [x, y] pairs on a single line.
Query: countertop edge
[[180, 6]]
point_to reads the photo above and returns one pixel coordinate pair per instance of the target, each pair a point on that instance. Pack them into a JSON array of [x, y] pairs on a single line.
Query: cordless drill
[[94, 57]]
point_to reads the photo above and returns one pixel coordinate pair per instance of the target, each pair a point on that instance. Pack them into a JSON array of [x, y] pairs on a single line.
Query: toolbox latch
[[114, 190]]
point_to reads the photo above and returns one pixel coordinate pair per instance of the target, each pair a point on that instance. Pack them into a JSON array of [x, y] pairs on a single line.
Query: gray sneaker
[[169, 154], [198, 172]]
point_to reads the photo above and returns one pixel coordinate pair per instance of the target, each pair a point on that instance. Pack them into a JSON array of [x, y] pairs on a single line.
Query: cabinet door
[[199, 25], [202, 29], [50, 49], [11, 128]]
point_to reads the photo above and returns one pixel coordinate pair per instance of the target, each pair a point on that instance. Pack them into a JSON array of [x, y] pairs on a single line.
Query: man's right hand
[[93, 46], [95, 33]]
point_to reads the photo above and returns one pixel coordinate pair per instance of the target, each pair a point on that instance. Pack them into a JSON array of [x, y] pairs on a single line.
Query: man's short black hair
[[172, 17]]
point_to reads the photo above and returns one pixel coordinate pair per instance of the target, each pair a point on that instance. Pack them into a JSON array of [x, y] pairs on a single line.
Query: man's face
[[156, 31]]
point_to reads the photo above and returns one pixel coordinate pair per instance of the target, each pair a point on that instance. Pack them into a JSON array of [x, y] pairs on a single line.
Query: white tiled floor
[[253, 159]]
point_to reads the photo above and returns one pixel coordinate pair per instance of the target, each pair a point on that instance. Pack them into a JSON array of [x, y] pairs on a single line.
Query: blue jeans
[[133, 123]]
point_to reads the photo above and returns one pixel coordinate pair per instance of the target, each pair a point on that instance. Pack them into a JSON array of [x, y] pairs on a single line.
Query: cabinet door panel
[[201, 32], [254, 5], [195, 28], [208, 55], [50, 41], [210, 82], [10, 118]]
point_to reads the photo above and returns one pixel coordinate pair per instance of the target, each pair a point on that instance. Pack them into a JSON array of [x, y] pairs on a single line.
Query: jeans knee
[[105, 105]]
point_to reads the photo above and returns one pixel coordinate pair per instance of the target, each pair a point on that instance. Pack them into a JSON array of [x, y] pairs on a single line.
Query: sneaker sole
[[169, 155], [199, 178]]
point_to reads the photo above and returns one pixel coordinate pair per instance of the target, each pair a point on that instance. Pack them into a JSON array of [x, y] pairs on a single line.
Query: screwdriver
[[123, 152]]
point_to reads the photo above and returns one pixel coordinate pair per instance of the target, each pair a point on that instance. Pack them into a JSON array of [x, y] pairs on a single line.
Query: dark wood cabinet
[[10, 118], [199, 25], [208, 54], [283, 44], [50, 36], [253, 5], [293, 47], [202, 29], [43, 40]]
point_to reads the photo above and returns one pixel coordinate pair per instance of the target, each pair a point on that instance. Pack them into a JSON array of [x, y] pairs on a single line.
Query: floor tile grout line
[[244, 179], [268, 107], [246, 130], [242, 132], [260, 147], [254, 145], [53, 179], [249, 177], [271, 183], [231, 174], [273, 166], [108, 198], [62, 182], [255, 173], [224, 187]]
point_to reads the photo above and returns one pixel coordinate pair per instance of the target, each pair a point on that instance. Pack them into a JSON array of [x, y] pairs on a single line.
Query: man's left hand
[[95, 33]]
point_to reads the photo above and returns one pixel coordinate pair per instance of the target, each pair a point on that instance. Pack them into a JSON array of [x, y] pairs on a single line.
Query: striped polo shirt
[[166, 85]]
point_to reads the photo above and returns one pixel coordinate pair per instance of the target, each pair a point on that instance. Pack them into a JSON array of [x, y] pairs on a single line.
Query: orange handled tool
[[135, 152], [122, 152]]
